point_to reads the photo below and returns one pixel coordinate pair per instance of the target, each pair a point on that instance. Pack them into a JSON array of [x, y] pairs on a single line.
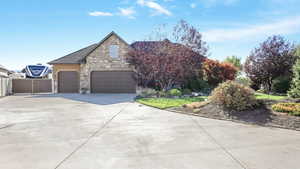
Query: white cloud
[[284, 27], [155, 6], [98, 13], [128, 12], [211, 3], [193, 5]]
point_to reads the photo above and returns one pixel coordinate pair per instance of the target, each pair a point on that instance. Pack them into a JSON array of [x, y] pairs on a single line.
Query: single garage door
[[112, 82], [68, 82]]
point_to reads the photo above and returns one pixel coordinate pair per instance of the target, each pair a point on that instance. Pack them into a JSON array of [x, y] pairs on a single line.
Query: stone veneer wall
[[100, 60]]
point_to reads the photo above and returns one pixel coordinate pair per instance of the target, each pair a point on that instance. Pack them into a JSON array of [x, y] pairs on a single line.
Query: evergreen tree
[[295, 89]]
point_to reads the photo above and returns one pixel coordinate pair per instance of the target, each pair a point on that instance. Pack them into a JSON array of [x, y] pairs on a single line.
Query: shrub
[[234, 96], [147, 92], [197, 85], [186, 91], [243, 80], [174, 92], [281, 84], [216, 72], [162, 94], [290, 108]]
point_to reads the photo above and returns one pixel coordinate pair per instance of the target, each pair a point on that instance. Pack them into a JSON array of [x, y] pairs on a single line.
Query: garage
[[68, 82], [112, 82]]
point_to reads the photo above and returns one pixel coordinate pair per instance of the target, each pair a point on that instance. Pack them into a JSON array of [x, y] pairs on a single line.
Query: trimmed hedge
[[174, 92]]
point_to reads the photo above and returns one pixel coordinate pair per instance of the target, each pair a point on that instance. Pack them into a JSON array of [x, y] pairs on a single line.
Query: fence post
[[32, 86], [1, 86]]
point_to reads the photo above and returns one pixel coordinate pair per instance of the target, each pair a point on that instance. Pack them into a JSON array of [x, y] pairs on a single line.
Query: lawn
[[269, 97], [164, 103]]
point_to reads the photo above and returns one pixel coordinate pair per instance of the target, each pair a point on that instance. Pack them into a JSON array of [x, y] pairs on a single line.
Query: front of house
[[98, 68]]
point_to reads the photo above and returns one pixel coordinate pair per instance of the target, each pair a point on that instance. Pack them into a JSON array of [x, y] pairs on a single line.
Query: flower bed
[[290, 108]]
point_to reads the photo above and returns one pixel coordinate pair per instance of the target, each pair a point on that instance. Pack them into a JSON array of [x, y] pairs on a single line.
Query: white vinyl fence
[[5, 86]]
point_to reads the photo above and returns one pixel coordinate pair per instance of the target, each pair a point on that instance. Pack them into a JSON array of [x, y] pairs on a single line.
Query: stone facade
[[100, 60]]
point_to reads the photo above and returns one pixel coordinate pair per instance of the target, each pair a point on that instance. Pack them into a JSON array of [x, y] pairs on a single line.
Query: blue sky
[[35, 31]]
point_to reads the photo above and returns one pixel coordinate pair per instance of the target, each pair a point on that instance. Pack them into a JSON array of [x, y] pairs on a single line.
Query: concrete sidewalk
[[110, 131]]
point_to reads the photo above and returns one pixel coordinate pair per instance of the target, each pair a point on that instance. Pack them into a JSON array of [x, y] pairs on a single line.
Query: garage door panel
[[112, 82], [68, 82]]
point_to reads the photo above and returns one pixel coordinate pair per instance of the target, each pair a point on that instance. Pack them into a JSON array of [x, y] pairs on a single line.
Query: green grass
[[269, 97], [164, 103]]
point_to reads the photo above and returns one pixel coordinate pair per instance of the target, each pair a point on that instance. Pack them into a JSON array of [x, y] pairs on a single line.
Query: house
[[98, 68], [17, 75], [3, 71]]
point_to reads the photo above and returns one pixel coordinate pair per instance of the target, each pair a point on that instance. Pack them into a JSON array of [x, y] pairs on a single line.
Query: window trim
[[114, 47]]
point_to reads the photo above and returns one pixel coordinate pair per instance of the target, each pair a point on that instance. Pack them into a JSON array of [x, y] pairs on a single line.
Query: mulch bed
[[263, 116]]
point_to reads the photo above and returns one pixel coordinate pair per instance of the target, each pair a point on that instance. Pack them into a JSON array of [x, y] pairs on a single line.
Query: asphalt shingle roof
[[80, 55], [3, 68], [147, 45], [75, 57]]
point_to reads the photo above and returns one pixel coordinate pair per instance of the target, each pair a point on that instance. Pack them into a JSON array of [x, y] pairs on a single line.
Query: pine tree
[[295, 89]]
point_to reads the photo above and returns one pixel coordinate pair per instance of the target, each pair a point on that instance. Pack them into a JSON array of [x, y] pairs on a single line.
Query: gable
[[103, 45], [102, 53], [80, 55]]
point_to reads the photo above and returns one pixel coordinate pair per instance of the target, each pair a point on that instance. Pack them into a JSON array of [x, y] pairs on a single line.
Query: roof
[[3, 68], [147, 45], [75, 57], [80, 55]]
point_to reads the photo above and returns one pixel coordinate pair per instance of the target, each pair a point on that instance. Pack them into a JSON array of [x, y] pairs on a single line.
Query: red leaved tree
[[163, 62], [273, 58], [166, 64], [216, 72]]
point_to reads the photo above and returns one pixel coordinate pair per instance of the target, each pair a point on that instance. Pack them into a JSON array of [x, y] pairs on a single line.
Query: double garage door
[[101, 82], [112, 82]]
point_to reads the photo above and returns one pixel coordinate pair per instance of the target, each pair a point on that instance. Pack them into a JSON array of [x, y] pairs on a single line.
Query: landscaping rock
[[263, 115]]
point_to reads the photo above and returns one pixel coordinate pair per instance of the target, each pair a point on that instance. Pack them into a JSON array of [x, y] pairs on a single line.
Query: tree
[[216, 72], [235, 61], [190, 37], [165, 63], [273, 58], [295, 89], [297, 51]]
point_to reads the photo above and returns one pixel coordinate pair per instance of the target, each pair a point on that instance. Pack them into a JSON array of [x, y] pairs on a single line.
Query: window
[[114, 51]]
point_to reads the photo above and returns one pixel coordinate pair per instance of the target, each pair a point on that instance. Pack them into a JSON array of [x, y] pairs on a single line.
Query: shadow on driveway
[[99, 99]]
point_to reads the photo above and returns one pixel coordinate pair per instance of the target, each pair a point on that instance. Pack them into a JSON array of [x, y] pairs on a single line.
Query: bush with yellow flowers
[[290, 108]]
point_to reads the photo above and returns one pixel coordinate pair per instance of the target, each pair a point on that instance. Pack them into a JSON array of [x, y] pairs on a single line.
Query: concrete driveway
[[112, 132]]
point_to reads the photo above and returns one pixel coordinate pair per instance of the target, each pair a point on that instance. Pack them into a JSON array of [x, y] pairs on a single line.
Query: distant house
[[3, 71], [17, 75]]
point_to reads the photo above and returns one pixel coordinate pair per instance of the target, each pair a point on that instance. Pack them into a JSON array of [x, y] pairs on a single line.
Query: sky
[[36, 31]]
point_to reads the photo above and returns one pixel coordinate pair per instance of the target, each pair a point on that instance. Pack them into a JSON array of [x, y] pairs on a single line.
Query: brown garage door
[[112, 82], [68, 82]]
